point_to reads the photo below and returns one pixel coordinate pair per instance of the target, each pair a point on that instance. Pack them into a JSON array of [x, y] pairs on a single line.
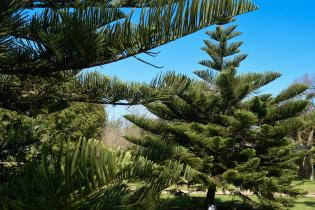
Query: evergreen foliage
[[22, 137], [80, 119], [90, 176], [231, 136], [44, 45], [16, 140]]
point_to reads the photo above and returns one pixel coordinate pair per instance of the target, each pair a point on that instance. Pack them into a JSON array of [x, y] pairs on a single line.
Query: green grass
[[195, 201], [304, 204], [307, 185]]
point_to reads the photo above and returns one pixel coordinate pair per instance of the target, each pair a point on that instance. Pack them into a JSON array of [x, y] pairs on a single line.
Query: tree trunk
[[210, 195], [312, 171]]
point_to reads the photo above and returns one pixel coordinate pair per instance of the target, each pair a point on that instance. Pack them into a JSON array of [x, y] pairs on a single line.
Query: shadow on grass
[[184, 203], [197, 203], [306, 203]]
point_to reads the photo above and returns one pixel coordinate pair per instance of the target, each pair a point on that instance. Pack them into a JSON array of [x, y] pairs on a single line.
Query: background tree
[[16, 140], [229, 135], [305, 135], [79, 120], [305, 141], [22, 136]]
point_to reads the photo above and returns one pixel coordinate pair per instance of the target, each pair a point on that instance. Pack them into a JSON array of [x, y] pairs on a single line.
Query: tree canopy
[[22, 137], [46, 50], [226, 131], [90, 176], [45, 45]]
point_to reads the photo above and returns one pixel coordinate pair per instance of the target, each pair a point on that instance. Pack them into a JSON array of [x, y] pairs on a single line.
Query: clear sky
[[279, 36]]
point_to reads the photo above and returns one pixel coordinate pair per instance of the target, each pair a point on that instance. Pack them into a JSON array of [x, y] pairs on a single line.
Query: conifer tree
[[228, 133], [21, 137], [90, 176], [44, 48], [45, 44]]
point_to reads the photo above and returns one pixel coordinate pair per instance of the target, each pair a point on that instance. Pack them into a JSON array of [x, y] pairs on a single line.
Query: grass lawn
[[195, 201], [307, 185], [304, 204]]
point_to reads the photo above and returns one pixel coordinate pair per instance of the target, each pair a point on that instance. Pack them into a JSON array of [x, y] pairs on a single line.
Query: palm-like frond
[[294, 90], [74, 3], [92, 35], [48, 48], [10, 19], [87, 176], [33, 95]]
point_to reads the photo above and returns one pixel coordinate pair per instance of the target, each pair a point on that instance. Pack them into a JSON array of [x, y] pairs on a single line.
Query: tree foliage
[[42, 50], [230, 135], [90, 176], [80, 119], [22, 137], [16, 140], [45, 46]]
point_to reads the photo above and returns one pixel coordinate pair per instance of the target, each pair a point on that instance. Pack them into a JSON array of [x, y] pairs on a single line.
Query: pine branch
[[74, 4], [70, 44], [88, 175]]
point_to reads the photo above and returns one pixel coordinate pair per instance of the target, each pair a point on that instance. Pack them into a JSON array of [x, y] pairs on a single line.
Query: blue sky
[[280, 36]]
